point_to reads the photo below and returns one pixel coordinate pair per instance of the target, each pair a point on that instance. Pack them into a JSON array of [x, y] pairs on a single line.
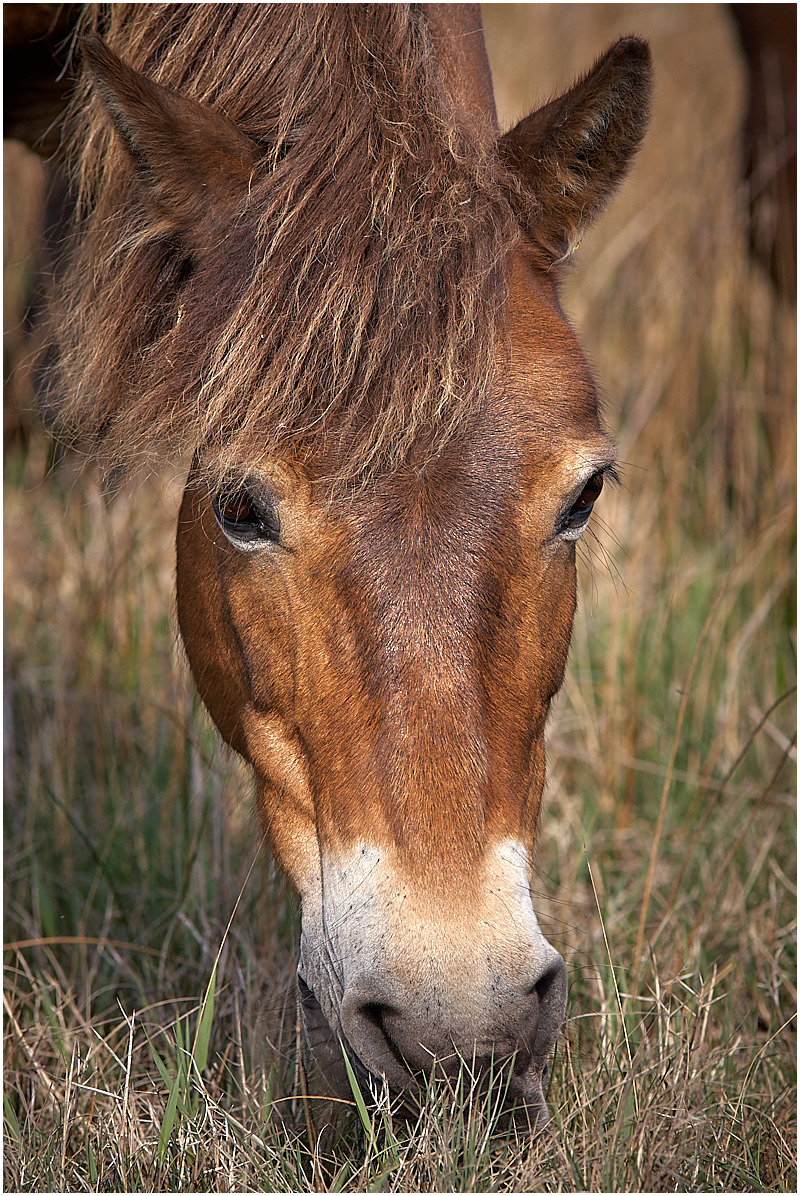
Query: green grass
[[150, 1035]]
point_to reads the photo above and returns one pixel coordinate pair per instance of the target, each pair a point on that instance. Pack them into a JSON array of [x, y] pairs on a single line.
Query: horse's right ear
[[572, 153], [195, 163]]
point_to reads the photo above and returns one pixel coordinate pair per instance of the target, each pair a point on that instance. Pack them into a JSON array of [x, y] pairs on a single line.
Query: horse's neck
[[457, 32]]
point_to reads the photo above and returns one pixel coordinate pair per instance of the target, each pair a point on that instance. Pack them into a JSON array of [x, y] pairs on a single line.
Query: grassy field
[[149, 1032]]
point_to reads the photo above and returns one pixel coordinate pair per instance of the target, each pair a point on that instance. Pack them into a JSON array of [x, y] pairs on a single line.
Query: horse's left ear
[[195, 164], [572, 153]]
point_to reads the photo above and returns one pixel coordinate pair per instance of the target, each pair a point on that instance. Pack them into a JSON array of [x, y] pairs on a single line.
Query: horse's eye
[[577, 516], [246, 520]]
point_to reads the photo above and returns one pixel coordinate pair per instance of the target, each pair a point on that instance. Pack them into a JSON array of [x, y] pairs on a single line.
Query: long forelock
[[354, 302]]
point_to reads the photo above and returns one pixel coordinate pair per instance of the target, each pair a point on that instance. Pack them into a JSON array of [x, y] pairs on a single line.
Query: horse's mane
[[362, 284]]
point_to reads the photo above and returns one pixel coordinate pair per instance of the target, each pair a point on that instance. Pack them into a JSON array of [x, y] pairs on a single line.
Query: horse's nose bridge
[[416, 695], [419, 578], [401, 630]]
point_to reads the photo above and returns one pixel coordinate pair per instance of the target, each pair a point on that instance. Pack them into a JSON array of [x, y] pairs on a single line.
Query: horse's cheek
[[554, 618], [206, 630]]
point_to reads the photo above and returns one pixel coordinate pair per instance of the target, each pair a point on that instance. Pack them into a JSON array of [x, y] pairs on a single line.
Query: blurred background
[[667, 843]]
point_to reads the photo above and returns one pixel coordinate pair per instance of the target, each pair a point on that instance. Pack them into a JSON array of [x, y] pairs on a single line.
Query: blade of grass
[[358, 1097], [159, 1062], [11, 1120], [202, 1036], [168, 1120], [91, 1163]]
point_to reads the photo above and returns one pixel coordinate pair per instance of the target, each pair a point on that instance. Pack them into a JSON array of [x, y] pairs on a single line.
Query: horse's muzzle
[[388, 1045], [414, 983]]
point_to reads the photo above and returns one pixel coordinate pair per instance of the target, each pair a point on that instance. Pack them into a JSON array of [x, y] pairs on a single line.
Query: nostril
[[550, 981], [550, 992], [306, 995], [377, 1015], [372, 1014], [367, 1027]]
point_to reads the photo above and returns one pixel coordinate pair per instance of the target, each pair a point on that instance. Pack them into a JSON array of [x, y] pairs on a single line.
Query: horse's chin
[[524, 1104]]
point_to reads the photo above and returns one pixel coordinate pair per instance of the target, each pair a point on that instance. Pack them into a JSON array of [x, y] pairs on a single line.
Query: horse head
[[377, 599]]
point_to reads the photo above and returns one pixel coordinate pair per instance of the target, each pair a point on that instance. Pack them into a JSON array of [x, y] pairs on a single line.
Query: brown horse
[[305, 258]]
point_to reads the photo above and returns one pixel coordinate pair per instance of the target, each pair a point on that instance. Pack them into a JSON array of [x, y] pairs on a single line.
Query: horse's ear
[[572, 153], [194, 161]]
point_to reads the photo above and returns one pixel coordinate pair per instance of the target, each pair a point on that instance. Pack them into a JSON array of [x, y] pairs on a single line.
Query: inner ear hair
[[572, 153]]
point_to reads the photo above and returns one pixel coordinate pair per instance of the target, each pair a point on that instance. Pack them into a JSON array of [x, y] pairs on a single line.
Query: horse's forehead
[[545, 369], [517, 448], [448, 508]]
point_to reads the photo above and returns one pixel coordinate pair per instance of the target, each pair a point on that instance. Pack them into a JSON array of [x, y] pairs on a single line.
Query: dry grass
[[667, 847]]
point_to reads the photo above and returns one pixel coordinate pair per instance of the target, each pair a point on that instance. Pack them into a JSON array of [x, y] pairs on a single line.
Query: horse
[[306, 261]]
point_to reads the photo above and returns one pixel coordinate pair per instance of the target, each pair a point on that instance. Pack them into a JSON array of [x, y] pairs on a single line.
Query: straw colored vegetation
[[150, 1037]]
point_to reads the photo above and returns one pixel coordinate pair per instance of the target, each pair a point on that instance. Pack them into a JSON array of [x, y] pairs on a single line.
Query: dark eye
[[246, 519], [577, 516]]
